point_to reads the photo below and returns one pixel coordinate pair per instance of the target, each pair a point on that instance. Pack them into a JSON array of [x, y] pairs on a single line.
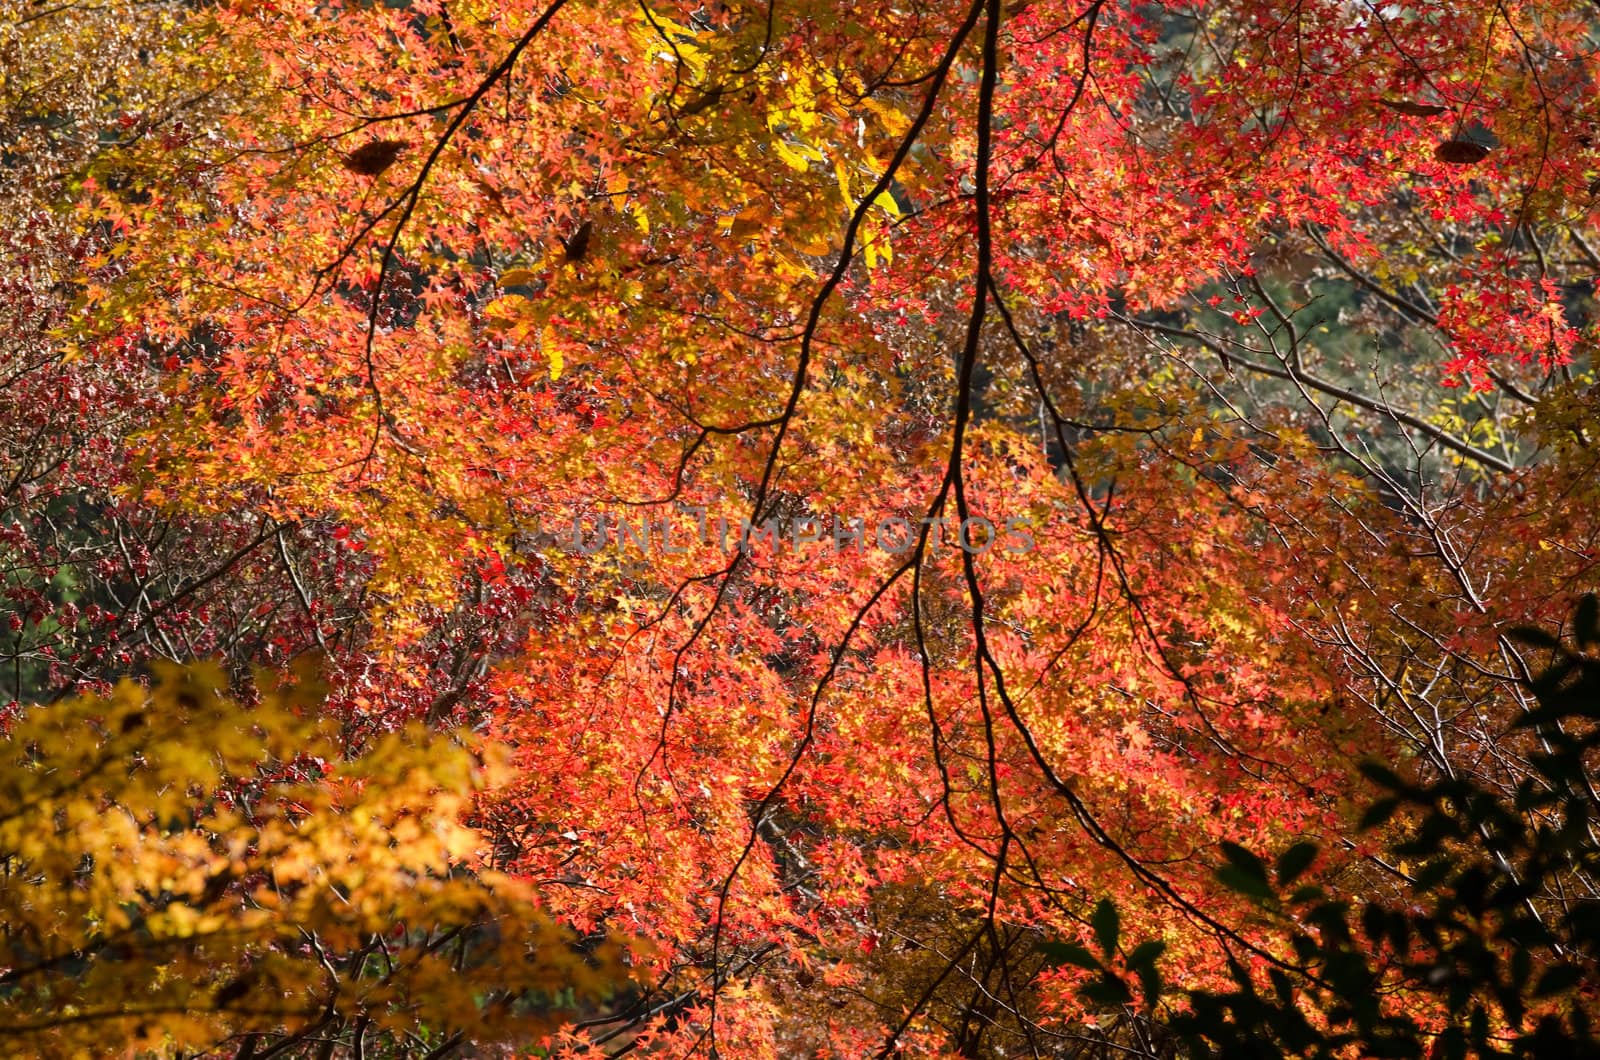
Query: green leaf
[[1059, 953], [1292, 863], [1236, 879], [1244, 872], [1107, 990], [1107, 926], [1149, 983], [1146, 953]]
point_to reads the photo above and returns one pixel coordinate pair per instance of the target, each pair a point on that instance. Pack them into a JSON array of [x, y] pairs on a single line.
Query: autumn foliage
[[182, 870], [912, 498]]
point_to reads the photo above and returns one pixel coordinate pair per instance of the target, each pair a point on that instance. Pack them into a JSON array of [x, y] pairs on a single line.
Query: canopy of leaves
[[634, 383]]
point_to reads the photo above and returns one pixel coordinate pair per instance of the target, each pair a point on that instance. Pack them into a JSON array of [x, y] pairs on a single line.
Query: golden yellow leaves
[[518, 278], [552, 352], [797, 156], [179, 868]]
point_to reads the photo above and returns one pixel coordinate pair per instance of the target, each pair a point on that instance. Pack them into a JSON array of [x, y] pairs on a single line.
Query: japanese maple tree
[[893, 477]]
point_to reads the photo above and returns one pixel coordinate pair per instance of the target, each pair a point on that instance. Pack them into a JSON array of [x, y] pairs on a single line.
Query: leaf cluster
[[1487, 955], [177, 869]]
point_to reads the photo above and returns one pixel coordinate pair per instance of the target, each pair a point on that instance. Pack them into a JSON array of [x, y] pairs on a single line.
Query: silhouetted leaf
[[1244, 872], [1558, 979], [1058, 953], [1107, 926], [1378, 813], [1460, 152], [1414, 110], [1381, 775], [1586, 621], [371, 159], [577, 245], [1534, 636], [1146, 953], [1292, 863], [1107, 990]]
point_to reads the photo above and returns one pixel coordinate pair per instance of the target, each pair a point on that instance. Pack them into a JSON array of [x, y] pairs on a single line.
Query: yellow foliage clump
[[178, 869]]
